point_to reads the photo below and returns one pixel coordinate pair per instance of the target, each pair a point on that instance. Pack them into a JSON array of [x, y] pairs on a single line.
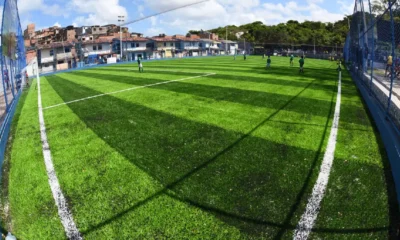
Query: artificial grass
[[229, 156]]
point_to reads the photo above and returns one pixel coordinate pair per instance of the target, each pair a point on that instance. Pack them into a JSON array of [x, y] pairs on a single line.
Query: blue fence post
[[4, 83], [12, 78], [393, 58], [372, 50]]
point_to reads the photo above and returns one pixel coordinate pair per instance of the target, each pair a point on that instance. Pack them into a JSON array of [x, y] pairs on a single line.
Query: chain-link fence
[[12, 57], [372, 52]]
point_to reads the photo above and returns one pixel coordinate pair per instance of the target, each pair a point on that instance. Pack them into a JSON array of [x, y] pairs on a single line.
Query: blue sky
[[211, 14]]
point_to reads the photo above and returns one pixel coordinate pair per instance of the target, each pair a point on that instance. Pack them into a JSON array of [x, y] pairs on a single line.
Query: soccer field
[[203, 148]]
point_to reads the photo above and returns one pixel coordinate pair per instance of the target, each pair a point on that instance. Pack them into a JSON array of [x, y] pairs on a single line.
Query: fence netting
[[12, 59], [372, 52]]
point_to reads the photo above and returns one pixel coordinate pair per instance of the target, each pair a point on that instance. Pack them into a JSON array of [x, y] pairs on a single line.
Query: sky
[[207, 15]]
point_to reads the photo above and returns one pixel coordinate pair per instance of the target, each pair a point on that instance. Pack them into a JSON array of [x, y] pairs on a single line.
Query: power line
[[156, 14]]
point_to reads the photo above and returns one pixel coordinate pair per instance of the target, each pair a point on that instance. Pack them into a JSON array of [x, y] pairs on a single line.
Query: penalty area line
[[310, 215], [126, 90]]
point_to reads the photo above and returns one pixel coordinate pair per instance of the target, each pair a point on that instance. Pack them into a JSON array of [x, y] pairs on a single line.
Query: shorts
[[388, 66], [141, 65], [268, 64]]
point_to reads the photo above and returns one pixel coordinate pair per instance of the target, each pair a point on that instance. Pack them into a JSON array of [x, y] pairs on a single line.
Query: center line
[[125, 90], [307, 221]]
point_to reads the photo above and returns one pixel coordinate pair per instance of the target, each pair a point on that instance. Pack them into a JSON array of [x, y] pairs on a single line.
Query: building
[[99, 31], [29, 32], [133, 48], [208, 35], [187, 46], [163, 46], [95, 51], [230, 46], [56, 56], [209, 47]]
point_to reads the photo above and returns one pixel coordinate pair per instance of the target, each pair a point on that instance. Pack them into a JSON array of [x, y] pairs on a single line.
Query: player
[[339, 63], [389, 64], [269, 62], [301, 61], [140, 64], [27, 78], [291, 60]]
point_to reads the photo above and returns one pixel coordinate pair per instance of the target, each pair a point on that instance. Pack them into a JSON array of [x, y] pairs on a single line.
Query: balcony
[[135, 49], [47, 59], [191, 47], [61, 56]]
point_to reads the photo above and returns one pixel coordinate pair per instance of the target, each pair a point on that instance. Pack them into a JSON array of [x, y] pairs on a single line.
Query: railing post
[[12, 77], [372, 50], [393, 59], [4, 83]]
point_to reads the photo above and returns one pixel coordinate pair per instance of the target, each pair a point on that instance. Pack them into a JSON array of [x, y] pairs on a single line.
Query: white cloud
[[25, 6], [217, 13], [153, 31], [98, 12], [57, 24]]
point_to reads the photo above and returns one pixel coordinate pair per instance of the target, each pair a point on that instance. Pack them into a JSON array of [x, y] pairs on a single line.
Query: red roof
[[164, 39]]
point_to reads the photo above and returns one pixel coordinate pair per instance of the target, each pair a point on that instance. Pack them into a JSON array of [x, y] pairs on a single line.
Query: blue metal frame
[[372, 48], [393, 60]]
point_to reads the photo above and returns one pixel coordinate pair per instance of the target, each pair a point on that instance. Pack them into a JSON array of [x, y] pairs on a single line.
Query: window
[[94, 29], [100, 47], [101, 29], [132, 45], [94, 48], [165, 44], [137, 44], [67, 49], [91, 38], [83, 39], [172, 44], [51, 52]]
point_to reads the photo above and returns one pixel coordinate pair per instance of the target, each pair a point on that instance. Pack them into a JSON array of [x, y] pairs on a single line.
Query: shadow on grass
[[237, 177], [303, 105], [186, 161]]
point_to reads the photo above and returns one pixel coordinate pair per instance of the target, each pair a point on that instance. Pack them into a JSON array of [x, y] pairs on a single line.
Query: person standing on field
[[301, 61], [291, 60], [269, 62]]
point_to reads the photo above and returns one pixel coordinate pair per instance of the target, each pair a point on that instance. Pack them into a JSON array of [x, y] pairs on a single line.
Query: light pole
[[121, 20]]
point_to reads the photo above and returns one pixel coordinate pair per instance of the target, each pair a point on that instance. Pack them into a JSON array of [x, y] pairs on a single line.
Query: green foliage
[[292, 32]]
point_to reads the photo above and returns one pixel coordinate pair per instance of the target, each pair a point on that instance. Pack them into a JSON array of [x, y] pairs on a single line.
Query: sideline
[[307, 220]]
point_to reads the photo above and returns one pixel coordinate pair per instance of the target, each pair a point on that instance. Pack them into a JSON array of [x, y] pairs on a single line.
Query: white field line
[[63, 211], [156, 70], [307, 220], [126, 90]]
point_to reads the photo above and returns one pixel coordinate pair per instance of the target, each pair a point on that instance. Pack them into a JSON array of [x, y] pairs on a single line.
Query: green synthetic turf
[[234, 155]]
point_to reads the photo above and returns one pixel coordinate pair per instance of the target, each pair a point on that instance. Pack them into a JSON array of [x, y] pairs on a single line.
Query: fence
[[373, 55], [12, 58]]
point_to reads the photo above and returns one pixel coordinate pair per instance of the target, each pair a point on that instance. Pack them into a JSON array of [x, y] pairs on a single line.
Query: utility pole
[[209, 43], [121, 20], [226, 43]]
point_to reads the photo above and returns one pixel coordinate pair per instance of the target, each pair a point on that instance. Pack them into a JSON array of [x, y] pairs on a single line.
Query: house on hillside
[[209, 47], [163, 46], [56, 56], [132, 48], [97, 50], [230, 46], [187, 46]]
